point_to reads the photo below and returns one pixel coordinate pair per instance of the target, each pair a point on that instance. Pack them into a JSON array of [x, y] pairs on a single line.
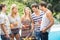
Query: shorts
[[15, 31]]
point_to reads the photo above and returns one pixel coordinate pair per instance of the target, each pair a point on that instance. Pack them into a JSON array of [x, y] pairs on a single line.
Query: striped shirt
[[37, 19]]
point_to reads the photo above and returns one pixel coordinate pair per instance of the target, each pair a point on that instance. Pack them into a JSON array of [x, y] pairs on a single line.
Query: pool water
[[54, 35]]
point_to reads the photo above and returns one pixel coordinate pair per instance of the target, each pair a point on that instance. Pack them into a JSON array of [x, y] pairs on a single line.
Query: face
[[40, 7], [15, 10], [27, 11], [4, 8], [34, 9]]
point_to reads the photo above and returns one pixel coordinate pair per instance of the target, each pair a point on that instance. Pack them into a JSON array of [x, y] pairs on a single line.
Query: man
[[47, 21], [36, 18], [4, 23]]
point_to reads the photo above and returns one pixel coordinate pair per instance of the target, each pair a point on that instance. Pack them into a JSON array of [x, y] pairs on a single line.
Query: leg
[[44, 36], [12, 36], [37, 35], [17, 36]]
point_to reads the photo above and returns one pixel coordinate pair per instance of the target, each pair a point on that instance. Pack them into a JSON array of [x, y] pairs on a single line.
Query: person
[[4, 23], [15, 23], [36, 18], [47, 21], [26, 23]]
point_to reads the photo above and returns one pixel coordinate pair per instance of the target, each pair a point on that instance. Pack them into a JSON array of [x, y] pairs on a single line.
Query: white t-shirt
[[4, 20], [14, 20]]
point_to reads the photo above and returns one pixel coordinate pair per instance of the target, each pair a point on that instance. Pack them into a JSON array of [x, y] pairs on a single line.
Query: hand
[[31, 30], [23, 26], [7, 35], [11, 26], [15, 24], [44, 30], [37, 24]]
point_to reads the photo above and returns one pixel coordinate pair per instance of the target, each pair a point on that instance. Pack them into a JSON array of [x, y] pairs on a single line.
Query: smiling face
[[41, 7], [27, 11], [15, 10], [35, 9]]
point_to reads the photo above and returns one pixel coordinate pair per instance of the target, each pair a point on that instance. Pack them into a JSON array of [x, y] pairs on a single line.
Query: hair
[[43, 4], [27, 8], [34, 5], [29, 12], [12, 7], [1, 6]]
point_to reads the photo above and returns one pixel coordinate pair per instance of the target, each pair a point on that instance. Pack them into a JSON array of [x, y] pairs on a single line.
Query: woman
[[26, 23], [14, 22]]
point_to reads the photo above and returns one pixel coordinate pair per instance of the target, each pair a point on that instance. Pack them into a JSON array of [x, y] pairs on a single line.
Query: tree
[[10, 2]]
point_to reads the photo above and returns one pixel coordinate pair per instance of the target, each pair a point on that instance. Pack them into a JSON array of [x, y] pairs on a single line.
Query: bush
[[19, 5]]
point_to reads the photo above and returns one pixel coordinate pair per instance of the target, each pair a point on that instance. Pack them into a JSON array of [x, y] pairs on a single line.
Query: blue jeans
[[41, 36], [4, 38], [37, 35]]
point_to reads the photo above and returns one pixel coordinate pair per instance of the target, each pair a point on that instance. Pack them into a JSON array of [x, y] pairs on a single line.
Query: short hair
[[1, 6], [34, 5], [43, 4]]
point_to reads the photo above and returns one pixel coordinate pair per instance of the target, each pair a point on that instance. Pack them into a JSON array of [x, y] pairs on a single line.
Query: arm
[[11, 26], [2, 23], [22, 19], [50, 17], [20, 25], [32, 27], [4, 30]]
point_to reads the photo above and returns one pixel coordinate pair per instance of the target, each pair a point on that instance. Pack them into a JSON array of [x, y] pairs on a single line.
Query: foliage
[[19, 5], [53, 5]]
